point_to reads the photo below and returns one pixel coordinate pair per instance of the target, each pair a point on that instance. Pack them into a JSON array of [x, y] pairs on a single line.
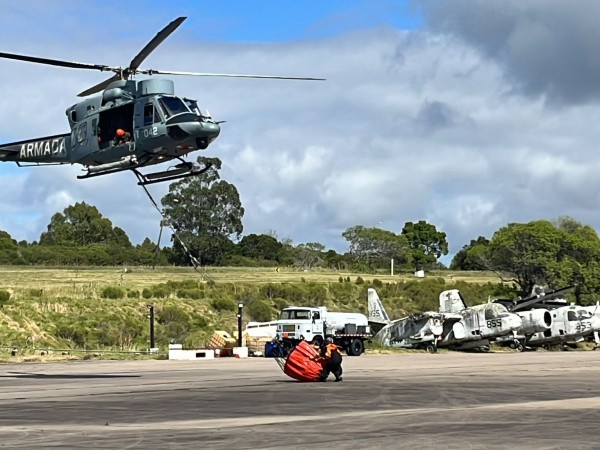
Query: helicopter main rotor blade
[[230, 75], [137, 60], [155, 42], [100, 86], [56, 62]]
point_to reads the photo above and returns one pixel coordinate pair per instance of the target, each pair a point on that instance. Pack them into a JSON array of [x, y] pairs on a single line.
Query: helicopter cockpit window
[[193, 105], [173, 105], [81, 132]]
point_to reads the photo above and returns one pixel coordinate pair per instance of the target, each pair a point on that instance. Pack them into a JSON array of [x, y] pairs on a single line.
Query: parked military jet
[[480, 324], [535, 315], [455, 326], [422, 330], [594, 311], [569, 323]]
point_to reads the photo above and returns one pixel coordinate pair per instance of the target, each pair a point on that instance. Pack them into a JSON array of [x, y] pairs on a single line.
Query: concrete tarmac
[[538, 400]]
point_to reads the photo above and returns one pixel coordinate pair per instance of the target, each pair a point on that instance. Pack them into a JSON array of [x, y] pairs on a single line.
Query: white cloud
[[408, 126]]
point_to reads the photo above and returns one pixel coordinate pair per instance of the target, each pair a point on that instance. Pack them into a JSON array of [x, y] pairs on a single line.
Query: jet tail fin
[[452, 301], [377, 312]]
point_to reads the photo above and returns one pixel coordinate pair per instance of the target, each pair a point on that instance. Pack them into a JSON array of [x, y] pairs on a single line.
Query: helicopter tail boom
[[45, 150]]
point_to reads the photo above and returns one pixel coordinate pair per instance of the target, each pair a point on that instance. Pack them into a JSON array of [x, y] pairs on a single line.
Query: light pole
[[239, 318], [151, 317]]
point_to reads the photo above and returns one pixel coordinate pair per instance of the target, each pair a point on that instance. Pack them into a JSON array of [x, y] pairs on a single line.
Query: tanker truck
[[348, 330]]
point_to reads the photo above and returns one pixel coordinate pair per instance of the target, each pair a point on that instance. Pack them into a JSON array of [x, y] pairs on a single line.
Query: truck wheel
[[317, 340], [355, 348]]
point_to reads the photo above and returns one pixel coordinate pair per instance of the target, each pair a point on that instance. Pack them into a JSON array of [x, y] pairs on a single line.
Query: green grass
[[106, 308], [139, 277]]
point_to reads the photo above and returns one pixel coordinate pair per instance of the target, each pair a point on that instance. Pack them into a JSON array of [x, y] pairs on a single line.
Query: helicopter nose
[[211, 129], [184, 126]]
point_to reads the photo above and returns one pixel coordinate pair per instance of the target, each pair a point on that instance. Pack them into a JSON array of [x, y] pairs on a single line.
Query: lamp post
[[239, 318], [151, 317]]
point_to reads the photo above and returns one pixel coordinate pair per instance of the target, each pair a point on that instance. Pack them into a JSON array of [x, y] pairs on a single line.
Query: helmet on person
[[329, 340], [120, 132]]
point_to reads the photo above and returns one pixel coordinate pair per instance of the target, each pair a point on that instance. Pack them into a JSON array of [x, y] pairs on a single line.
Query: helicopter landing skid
[[183, 170]]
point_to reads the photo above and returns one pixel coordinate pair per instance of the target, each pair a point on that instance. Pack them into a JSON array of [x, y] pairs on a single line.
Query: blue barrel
[[274, 350]]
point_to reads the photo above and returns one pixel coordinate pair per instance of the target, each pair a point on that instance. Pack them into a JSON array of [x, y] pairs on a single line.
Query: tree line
[[207, 215]]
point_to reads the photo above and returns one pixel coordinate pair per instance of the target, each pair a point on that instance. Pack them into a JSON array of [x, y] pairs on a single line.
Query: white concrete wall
[[191, 354]]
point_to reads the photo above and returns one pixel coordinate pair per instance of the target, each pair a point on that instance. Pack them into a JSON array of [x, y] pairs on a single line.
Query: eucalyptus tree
[[205, 212], [426, 244], [375, 247]]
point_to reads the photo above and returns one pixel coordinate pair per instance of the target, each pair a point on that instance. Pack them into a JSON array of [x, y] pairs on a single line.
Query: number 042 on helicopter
[[130, 125]]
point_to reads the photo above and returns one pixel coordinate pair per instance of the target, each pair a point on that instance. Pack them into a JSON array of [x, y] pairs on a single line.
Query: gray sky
[[467, 114]]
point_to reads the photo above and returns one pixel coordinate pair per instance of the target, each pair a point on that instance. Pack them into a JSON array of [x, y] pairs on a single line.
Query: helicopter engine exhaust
[[123, 163], [535, 321]]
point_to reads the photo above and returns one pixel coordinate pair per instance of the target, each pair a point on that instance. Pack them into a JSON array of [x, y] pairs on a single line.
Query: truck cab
[[300, 323]]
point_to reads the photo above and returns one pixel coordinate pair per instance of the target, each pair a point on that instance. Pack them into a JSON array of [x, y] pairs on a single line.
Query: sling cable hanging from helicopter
[[193, 259]]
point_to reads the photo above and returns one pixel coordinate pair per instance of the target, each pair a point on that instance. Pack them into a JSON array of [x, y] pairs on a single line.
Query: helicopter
[[130, 125]]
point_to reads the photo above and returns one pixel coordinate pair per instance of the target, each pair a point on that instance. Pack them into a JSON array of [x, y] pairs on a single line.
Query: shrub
[[112, 292], [377, 283], [359, 280], [194, 294], [184, 284], [223, 304], [35, 292], [173, 314], [147, 293], [280, 303], [133, 294], [258, 310], [160, 292], [200, 322], [4, 297]]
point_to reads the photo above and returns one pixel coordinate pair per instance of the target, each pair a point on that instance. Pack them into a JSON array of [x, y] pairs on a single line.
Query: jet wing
[[436, 315], [48, 149]]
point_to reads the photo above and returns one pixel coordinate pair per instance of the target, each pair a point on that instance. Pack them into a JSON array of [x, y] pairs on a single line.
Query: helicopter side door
[[149, 123]]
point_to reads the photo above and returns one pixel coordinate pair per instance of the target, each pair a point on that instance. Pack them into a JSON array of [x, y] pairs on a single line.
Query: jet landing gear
[[432, 348], [517, 345]]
